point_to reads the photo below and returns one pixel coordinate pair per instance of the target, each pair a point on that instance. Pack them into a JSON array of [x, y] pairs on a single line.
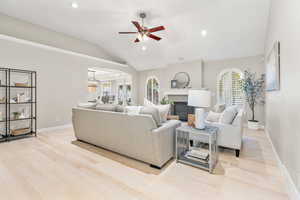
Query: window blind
[[230, 89]]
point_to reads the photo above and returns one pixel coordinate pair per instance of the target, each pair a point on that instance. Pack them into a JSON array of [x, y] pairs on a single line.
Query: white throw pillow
[[150, 110], [228, 115], [213, 116], [163, 111], [219, 108], [133, 110], [148, 103]]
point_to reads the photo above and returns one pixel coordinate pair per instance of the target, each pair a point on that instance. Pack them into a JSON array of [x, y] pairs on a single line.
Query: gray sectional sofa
[[136, 136]]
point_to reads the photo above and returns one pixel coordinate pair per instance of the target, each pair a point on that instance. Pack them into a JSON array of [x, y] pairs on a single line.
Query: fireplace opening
[[182, 110]]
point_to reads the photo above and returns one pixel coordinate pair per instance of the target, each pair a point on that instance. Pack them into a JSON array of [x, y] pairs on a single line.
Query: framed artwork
[[273, 68], [173, 83]]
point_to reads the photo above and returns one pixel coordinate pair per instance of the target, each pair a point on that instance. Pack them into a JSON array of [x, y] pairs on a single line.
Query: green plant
[[165, 101], [254, 90], [16, 114]]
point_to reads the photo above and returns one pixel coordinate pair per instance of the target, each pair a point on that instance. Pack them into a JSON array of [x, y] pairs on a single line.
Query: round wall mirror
[[182, 79]]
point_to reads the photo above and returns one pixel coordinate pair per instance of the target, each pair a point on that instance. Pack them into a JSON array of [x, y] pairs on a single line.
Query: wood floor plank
[[54, 166]]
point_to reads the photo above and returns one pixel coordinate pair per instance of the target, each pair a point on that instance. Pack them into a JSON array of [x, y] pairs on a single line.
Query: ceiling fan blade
[[137, 25], [127, 32], [136, 40], [159, 28], [153, 37]]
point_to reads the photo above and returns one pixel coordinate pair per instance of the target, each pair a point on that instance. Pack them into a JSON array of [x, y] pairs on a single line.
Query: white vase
[[254, 125], [199, 118]]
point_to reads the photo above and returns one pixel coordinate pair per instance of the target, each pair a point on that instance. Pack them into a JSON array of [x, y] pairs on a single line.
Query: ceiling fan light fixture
[[142, 37], [143, 33], [74, 5], [145, 37]]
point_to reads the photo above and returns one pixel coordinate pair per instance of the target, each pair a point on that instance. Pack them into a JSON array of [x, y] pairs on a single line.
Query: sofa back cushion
[[106, 107], [87, 105], [133, 110], [120, 108]]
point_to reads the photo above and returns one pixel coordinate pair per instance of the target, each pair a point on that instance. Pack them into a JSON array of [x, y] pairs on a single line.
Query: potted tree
[[254, 90]]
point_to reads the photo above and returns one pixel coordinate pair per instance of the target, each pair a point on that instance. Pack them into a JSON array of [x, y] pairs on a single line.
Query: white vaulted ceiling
[[235, 28]]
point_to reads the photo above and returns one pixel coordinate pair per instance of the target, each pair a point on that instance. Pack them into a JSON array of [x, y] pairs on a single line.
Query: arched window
[[229, 88], [152, 90]]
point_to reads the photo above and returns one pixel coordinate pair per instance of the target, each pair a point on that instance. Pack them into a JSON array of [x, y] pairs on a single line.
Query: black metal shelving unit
[[8, 86]]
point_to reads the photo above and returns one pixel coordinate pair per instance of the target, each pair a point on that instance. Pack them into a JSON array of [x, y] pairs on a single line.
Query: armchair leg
[[237, 153]]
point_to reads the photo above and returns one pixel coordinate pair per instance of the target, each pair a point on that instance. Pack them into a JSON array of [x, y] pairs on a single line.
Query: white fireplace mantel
[[177, 92], [177, 95]]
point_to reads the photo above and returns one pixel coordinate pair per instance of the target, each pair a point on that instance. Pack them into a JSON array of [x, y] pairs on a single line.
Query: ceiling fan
[[143, 33]]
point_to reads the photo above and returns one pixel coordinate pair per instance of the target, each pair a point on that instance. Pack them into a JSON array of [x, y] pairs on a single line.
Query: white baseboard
[[261, 127], [290, 185], [54, 128]]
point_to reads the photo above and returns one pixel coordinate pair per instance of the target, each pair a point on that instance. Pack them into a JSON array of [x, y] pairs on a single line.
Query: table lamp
[[199, 99]]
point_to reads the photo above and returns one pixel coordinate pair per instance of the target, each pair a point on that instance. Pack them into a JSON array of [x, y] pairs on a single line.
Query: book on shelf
[[20, 131], [199, 154]]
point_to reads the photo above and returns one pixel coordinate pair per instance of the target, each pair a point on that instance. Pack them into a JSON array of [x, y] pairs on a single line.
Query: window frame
[[126, 92], [220, 75], [146, 88]]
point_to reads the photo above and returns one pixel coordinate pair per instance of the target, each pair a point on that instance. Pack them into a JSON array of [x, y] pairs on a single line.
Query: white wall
[[62, 77], [283, 107], [203, 75], [27, 31], [61, 69], [165, 75], [211, 70]]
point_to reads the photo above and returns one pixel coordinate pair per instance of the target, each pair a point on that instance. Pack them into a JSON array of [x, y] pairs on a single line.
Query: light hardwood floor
[[54, 166]]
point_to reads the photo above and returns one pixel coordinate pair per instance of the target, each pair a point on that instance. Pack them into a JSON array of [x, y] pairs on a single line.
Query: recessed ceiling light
[[204, 32], [144, 48], [74, 5]]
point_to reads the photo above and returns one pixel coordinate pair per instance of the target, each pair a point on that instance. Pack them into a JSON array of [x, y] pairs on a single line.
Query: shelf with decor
[[5, 86], [18, 104]]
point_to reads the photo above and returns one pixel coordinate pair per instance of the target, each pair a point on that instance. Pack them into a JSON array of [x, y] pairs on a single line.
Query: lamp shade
[[199, 98]]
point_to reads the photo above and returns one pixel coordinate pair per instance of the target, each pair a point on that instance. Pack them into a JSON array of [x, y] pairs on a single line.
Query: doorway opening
[[108, 86]]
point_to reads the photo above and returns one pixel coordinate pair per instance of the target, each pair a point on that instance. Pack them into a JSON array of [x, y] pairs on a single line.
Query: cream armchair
[[230, 135]]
